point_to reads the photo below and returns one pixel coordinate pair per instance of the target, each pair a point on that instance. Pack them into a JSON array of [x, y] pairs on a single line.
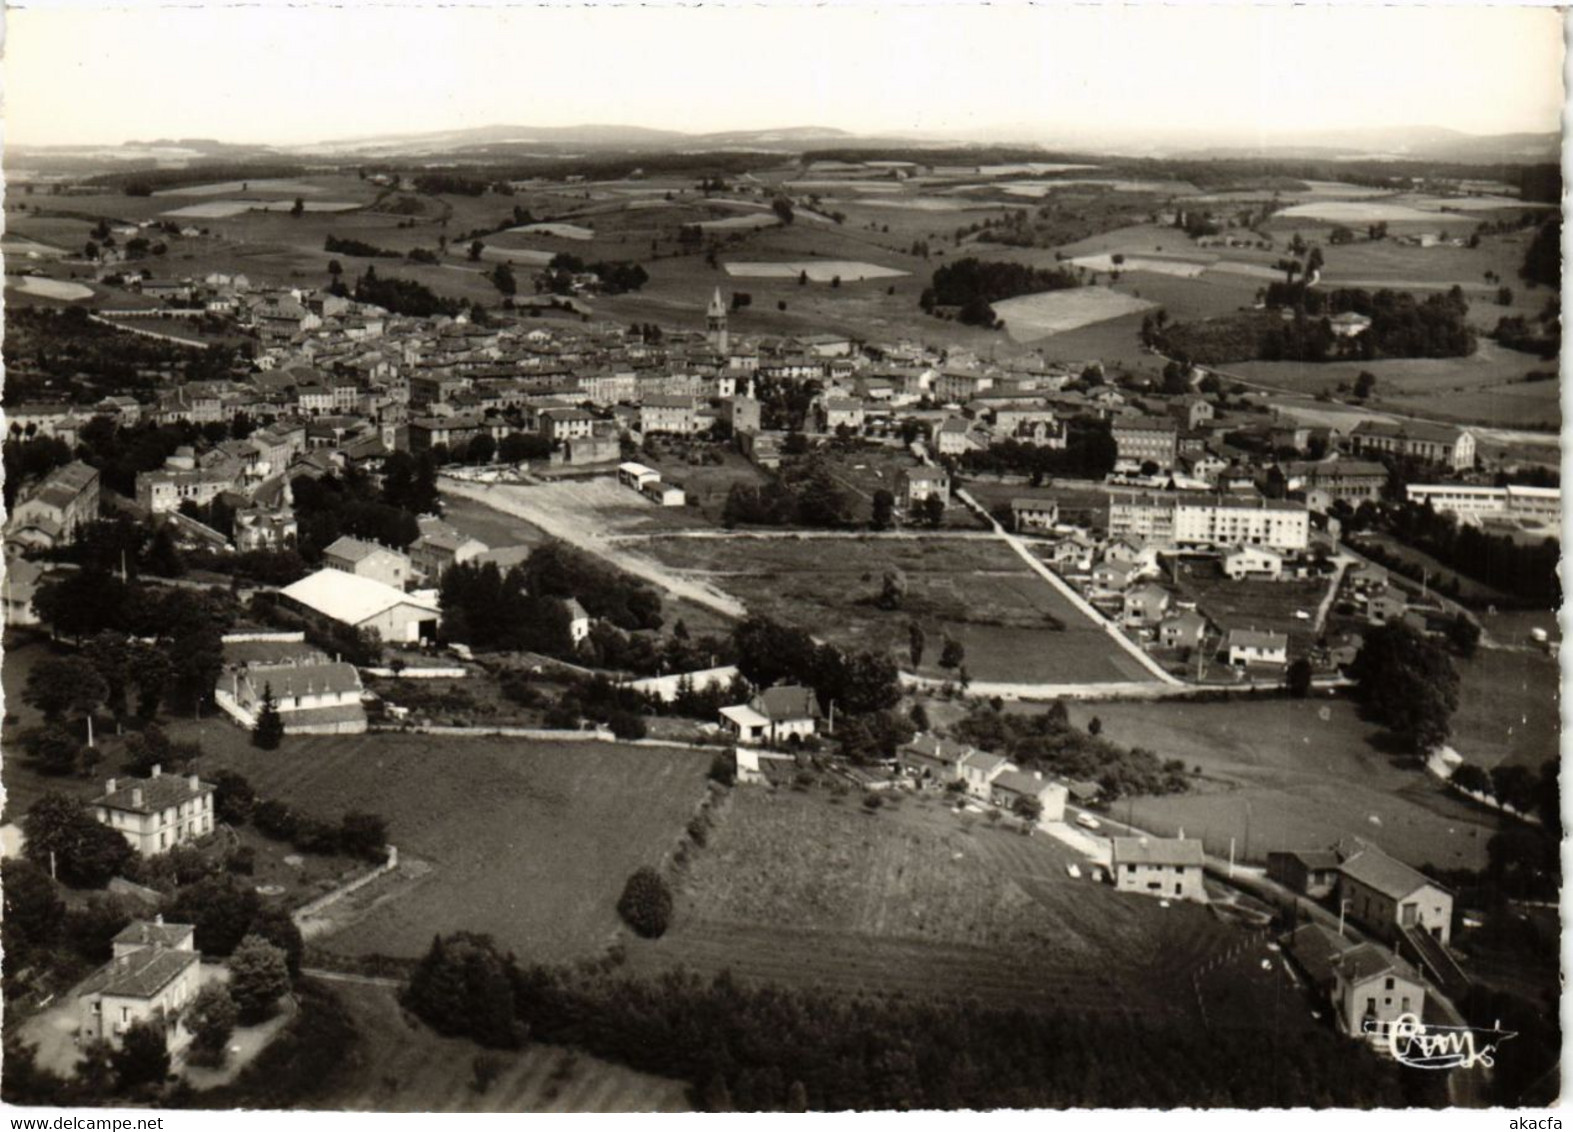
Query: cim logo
[[1419, 1046]]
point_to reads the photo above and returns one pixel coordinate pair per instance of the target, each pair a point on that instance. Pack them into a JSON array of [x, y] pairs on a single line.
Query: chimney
[[136, 796], [109, 788], [157, 770], [196, 783]]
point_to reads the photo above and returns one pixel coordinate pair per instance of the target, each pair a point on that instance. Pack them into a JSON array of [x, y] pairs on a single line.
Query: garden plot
[[1032, 317], [819, 270]]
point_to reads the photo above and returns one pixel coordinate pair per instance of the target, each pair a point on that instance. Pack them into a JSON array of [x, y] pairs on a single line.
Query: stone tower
[[715, 324]]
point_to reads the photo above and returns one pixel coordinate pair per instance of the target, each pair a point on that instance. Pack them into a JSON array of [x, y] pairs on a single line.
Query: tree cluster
[[971, 285], [1089, 453], [769, 1048], [1406, 681], [1048, 742]]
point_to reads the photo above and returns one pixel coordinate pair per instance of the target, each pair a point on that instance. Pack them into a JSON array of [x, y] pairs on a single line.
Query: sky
[[83, 75]]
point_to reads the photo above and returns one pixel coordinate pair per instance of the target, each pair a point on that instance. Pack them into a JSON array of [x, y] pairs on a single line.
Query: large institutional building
[[1196, 519]]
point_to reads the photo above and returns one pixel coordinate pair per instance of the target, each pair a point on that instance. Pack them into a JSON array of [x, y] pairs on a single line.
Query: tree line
[[769, 1048]]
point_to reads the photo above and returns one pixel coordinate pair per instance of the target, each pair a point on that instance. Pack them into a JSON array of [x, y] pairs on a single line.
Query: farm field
[[515, 831], [808, 889], [1487, 388], [1363, 212], [1031, 318], [62, 289], [404, 1066], [819, 271], [973, 590], [1508, 710], [1291, 774]]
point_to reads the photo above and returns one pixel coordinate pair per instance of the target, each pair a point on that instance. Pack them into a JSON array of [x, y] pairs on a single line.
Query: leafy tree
[[220, 910], [85, 853], [26, 1083], [464, 987], [893, 588], [269, 730], [933, 510], [1298, 678], [363, 834], [1463, 634], [143, 1055], [503, 279], [233, 797], [476, 248], [65, 684], [953, 655], [646, 903], [34, 912], [1407, 682], [1028, 808], [211, 1018], [884, 509], [275, 925], [52, 750], [258, 978], [1365, 384]]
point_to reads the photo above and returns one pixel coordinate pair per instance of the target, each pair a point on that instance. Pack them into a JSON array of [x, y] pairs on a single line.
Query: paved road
[[347, 977]]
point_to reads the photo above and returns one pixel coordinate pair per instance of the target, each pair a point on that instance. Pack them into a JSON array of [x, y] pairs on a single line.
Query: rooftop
[[1157, 851], [349, 597], [140, 974], [157, 793]]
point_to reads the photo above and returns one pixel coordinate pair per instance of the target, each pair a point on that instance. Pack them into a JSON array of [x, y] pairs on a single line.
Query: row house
[[54, 510], [1430, 443], [676, 415]]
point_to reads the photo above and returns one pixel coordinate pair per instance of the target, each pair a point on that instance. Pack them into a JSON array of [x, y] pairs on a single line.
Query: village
[[603, 619]]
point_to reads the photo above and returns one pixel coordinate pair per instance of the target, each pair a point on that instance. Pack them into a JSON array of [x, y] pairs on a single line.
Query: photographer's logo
[[1421, 1046]]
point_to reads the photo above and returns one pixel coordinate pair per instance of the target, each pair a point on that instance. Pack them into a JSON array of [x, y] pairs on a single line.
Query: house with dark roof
[[155, 972], [155, 814], [1159, 866], [785, 713], [979, 769], [314, 696], [368, 560], [440, 547], [1373, 988], [52, 512], [932, 759], [914, 485], [1310, 872], [1387, 897], [1250, 646], [1013, 786]]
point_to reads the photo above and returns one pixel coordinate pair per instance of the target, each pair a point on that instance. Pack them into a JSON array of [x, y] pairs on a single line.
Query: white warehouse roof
[[350, 598]]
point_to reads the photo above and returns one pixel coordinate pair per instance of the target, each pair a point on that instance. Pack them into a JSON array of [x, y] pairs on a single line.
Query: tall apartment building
[[1188, 519]]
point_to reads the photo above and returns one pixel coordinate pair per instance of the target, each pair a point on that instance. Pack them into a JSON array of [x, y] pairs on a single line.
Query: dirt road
[[567, 512]]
